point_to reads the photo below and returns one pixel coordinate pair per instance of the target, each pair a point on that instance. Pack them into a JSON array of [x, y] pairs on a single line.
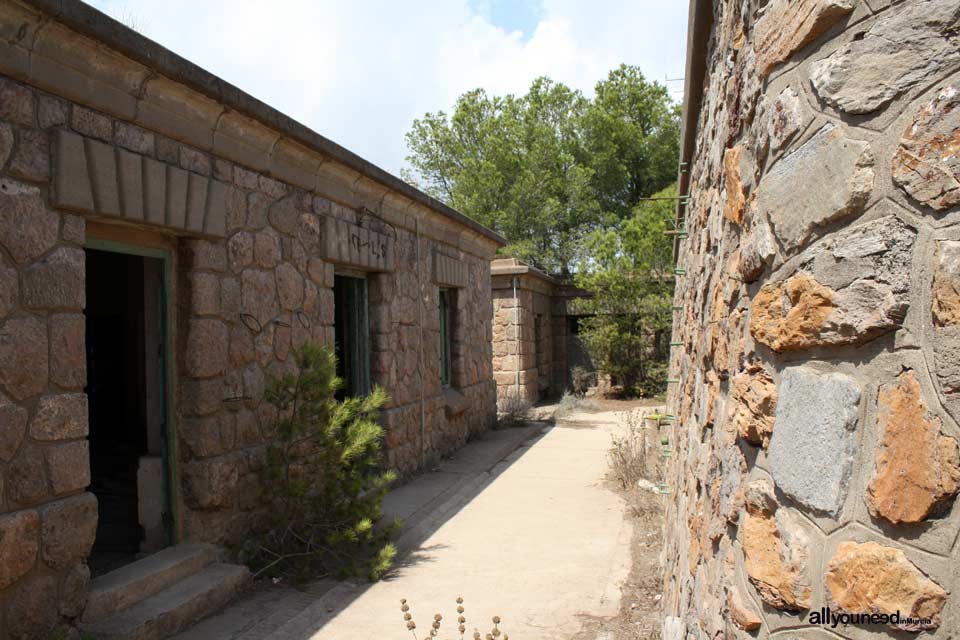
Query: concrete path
[[520, 524]]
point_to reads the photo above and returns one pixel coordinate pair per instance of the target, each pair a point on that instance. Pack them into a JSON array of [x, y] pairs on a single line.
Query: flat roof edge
[[94, 23]]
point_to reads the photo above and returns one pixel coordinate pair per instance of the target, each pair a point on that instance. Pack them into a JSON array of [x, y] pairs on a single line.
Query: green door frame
[[166, 377]]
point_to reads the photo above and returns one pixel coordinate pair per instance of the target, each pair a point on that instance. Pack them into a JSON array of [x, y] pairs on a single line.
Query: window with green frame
[[352, 334], [447, 306]]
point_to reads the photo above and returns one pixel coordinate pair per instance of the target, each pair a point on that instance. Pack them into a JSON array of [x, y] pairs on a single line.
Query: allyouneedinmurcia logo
[[826, 617]]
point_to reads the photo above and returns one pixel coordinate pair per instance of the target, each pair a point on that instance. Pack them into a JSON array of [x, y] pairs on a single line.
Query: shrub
[[581, 380], [323, 479], [513, 411], [628, 453]]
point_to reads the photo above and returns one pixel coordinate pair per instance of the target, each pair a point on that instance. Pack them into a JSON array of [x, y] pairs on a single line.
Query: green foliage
[[548, 168], [323, 478], [629, 273]]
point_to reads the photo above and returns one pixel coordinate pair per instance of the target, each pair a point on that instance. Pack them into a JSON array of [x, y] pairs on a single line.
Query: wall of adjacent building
[[815, 457], [523, 355], [247, 214]]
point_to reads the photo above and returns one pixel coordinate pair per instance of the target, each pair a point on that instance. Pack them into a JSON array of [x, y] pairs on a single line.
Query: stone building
[[535, 341], [815, 459], [166, 240]]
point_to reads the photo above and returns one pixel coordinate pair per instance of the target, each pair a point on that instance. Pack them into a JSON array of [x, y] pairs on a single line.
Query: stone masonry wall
[[815, 447], [529, 317], [248, 288]]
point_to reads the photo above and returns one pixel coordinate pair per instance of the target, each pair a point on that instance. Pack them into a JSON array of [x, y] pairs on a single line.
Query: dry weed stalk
[[494, 634]]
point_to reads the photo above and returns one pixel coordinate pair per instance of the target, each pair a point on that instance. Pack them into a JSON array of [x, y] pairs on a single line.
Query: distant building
[[536, 339]]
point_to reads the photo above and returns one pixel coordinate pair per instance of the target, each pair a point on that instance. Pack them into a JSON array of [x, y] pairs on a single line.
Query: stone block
[[842, 171], [917, 468], [284, 216], [56, 282], [753, 402], [14, 421], [68, 358], [51, 112], [266, 249], [176, 200], [906, 47], [259, 295], [68, 528], [107, 81], [206, 255], [244, 141], [68, 466], [201, 397], [289, 287], [9, 289], [204, 294], [60, 417], [776, 551], [850, 288], [27, 476], [6, 142], [73, 591], [130, 175], [154, 191], [811, 451], [195, 161], [136, 139], [74, 229], [24, 367], [72, 188], [92, 124], [17, 103], [175, 110], [19, 545], [35, 603], [786, 116], [28, 229], [733, 188], [102, 168], [31, 161], [211, 484], [872, 578], [946, 284], [206, 350], [925, 165], [240, 251], [787, 26]]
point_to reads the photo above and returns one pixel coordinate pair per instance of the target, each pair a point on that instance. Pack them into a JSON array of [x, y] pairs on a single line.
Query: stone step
[[128, 585], [174, 608]]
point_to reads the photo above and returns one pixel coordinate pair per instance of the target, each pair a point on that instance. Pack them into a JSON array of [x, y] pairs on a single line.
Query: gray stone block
[[814, 434]]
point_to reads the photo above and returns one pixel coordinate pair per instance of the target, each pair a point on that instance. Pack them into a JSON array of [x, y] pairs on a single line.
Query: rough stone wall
[[244, 294], [815, 453]]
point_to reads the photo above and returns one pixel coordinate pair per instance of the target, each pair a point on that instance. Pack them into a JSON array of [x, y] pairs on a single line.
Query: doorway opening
[[126, 373], [352, 334]]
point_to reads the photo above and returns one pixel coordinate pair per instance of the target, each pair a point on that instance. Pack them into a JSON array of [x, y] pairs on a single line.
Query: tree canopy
[[551, 167]]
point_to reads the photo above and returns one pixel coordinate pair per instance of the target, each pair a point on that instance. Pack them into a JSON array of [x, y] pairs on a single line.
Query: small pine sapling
[[323, 481]]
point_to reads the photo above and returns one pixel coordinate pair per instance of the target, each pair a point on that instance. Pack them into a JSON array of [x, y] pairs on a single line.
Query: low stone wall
[[815, 458], [94, 144]]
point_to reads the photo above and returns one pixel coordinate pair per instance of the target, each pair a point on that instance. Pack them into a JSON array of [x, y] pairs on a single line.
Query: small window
[[446, 335], [352, 332]]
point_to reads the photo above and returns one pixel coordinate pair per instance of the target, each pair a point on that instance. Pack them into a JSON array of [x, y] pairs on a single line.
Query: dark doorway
[[125, 386], [352, 333]]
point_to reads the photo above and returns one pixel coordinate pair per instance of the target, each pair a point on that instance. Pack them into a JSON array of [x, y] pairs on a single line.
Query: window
[[446, 335], [352, 334]]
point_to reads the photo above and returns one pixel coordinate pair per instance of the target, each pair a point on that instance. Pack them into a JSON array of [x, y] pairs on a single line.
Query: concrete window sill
[[455, 402]]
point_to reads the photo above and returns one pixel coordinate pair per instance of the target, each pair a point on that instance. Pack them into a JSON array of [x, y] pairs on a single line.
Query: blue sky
[[360, 71]]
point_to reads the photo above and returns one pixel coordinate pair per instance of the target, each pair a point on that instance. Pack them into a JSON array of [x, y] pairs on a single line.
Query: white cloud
[[359, 72]]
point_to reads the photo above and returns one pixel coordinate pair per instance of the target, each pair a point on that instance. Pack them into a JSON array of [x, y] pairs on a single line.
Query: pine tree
[[323, 481]]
